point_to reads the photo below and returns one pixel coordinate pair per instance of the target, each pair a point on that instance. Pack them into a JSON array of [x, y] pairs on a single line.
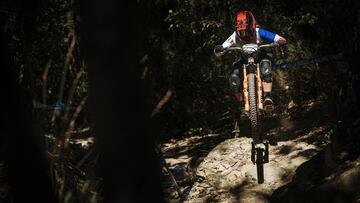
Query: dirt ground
[[219, 165]]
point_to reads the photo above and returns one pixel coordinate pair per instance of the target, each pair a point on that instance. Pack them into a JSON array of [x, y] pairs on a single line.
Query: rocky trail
[[220, 169]]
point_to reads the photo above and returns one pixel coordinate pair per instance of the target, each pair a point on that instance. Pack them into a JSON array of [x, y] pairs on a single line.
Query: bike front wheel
[[260, 165]]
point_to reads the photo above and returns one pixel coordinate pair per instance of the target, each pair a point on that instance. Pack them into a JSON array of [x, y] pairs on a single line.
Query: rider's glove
[[281, 41], [281, 49], [219, 50]]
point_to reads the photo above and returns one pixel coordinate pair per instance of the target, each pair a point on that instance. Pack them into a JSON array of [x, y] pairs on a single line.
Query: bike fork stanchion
[[260, 164], [266, 155], [253, 152], [260, 156]]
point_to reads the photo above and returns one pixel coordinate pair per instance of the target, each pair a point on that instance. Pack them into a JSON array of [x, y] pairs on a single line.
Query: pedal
[[236, 131]]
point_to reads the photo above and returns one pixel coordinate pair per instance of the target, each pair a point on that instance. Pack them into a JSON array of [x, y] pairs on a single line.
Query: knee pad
[[234, 80], [265, 68]]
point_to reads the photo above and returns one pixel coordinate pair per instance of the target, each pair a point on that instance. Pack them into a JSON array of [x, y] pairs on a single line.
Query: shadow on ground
[[299, 121], [322, 179]]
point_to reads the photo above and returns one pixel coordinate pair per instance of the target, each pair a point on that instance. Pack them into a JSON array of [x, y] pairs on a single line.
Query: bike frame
[[259, 86]]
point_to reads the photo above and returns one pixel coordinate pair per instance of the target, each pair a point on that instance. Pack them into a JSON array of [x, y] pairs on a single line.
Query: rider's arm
[[219, 50], [231, 41], [270, 37]]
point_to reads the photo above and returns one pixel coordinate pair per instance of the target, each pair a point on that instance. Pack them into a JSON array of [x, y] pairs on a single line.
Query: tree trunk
[[112, 37]]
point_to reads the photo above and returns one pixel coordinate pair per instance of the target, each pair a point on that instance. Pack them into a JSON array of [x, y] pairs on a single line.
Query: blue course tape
[[178, 170], [186, 191], [56, 106]]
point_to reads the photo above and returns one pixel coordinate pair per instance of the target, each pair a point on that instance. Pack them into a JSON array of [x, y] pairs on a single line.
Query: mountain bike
[[253, 101]]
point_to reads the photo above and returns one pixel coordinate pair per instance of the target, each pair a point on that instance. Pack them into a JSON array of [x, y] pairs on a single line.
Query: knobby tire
[[254, 120]]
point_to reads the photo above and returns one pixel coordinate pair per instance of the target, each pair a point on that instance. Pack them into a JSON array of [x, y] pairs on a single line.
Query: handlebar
[[219, 50], [259, 47]]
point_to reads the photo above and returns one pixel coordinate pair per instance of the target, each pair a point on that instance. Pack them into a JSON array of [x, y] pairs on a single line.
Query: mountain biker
[[246, 32]]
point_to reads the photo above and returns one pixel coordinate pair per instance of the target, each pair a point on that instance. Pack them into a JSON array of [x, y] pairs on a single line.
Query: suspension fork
[[260, 88], [245, 89]]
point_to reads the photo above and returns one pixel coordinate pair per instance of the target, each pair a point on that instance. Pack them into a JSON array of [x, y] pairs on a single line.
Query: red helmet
[[245, 25]]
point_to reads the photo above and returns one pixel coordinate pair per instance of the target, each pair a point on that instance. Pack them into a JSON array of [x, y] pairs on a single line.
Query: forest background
[[50, 44]]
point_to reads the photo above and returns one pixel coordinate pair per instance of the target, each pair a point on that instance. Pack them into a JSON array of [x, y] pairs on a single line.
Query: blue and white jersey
[[261, 37]]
